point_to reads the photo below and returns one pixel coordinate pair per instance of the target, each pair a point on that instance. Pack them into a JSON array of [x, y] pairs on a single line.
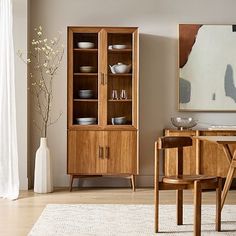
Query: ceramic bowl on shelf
[[85, 45], [120, 68], [119, 46], [86, 69], [85, 93], [118, 120], [183, 122], [86, 121]]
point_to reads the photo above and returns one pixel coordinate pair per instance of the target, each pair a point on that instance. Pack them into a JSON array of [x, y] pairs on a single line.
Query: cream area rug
[[130, 220]]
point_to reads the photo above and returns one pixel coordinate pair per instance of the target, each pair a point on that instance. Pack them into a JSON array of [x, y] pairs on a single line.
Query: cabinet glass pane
[[85, 78], [119, 82]]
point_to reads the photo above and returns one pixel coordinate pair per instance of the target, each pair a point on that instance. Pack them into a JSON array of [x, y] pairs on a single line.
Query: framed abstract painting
[[207, 67]]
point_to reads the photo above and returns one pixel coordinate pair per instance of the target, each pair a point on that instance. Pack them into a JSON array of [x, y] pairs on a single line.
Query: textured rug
[[132, 220]]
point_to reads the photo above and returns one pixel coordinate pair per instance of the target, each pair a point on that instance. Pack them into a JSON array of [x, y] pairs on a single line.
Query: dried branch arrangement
[[45, 58]]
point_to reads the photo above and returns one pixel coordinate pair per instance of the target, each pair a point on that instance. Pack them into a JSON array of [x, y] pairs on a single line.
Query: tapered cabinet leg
[[218, 205], [197, 208], [71, 182], [132, 182], [179, 205]]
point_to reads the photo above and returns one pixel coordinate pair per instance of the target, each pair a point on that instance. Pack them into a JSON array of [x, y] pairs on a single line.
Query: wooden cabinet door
[[84, 152], [121, 152]]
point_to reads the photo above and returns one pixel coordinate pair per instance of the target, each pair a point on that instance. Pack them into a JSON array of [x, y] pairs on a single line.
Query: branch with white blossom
[[45, 58]]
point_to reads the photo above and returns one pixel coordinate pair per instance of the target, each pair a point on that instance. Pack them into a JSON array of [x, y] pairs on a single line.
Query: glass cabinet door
[[119, 78], [85, 78], [102, 77]]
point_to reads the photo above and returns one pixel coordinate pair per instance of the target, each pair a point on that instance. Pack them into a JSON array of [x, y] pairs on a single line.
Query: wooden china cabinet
[[102, 148]]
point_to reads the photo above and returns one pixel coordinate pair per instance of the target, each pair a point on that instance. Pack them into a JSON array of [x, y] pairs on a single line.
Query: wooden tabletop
[[218, 139]]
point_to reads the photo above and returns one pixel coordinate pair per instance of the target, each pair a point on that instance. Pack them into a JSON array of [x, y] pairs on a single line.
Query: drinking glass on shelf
[[114, 94], [123, 94]]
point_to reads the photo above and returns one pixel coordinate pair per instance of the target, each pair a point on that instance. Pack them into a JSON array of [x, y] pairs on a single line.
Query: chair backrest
[[178, 142], [174, 142]]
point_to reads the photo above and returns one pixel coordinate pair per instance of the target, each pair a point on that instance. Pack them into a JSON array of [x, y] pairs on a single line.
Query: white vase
[[43, 169]]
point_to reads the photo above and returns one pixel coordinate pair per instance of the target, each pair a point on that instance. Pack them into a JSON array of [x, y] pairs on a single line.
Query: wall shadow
[[158, 93]]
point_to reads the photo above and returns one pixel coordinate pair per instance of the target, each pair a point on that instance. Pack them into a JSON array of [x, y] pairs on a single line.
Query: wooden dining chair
[[179, 182]]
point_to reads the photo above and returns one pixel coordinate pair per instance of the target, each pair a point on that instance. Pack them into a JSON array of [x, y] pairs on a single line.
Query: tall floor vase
[[43, 169]]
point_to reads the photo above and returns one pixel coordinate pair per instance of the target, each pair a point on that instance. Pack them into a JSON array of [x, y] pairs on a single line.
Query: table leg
[[227, 152], [228, 182]]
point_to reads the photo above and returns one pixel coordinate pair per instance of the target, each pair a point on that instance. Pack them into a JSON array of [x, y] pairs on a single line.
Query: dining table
[[224, 142]]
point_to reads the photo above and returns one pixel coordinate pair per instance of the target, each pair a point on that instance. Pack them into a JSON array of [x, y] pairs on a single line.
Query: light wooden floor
[[18, 217]]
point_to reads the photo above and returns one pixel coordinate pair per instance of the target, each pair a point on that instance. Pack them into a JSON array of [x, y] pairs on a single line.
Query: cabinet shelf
[[120, 75], [120, 100], [86, 50], [120, 50], [128, 125], [85, 100], [85, 74]]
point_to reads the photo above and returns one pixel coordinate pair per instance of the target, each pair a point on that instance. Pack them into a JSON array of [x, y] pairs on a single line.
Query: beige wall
[[157, 20], [20, 42]]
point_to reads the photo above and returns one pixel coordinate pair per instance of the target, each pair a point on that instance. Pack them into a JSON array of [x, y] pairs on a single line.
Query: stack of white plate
[[85, 45], [87, 69], [85, 93], [117, 46], [86, 121]]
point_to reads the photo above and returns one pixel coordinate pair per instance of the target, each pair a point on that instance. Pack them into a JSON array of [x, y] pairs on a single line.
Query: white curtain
[[9, 176]]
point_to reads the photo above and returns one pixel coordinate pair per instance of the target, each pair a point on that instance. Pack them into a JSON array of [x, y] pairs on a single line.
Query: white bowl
[[183, 123], [119, 46], [86, 69], [85, 91], [85, 94], [85, 45], [118, 120], [84, 119]]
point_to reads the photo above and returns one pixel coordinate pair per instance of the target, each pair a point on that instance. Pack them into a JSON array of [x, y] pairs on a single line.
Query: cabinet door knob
[[100, 152], [107, 154]]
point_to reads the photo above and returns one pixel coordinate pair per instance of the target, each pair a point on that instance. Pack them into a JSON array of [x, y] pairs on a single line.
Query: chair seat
[[187, 179]]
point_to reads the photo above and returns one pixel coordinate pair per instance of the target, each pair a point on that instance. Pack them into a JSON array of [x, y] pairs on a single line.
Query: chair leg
[[156, 210], [197, 208], [156, 188], [179, 205], [218, 205]]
